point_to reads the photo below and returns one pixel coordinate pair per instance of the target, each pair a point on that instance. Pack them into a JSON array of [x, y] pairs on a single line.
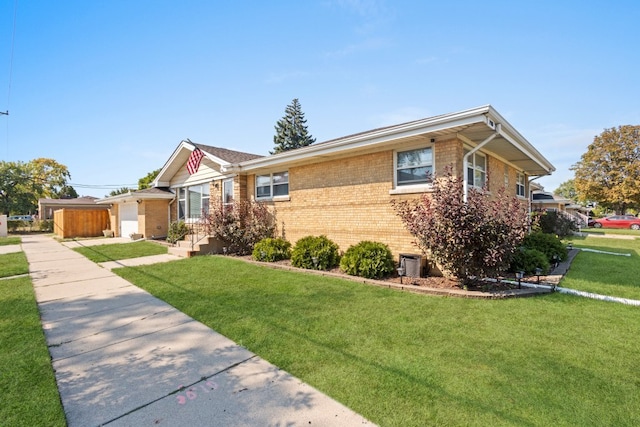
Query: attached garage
[[144, 212]]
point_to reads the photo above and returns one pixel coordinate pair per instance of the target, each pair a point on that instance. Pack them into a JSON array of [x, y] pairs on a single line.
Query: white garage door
[[128, 218]]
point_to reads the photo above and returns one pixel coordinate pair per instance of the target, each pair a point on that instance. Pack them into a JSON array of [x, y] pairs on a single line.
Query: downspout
[[175, 197], [530, 198], [465, 160]]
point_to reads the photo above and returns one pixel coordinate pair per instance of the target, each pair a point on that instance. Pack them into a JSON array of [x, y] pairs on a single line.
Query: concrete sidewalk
[[125, 358]]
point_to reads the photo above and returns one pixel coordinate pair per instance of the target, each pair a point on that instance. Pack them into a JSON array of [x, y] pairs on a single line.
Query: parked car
[[618, 221], [20, 218]]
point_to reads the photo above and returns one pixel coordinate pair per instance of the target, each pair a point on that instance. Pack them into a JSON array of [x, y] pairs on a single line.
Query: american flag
[[194, 161]]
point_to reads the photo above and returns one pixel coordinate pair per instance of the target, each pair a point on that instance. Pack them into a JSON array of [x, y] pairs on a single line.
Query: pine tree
[[291, 130]]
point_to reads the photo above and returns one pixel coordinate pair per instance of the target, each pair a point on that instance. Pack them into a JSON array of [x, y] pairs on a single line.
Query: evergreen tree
[[291, 130]]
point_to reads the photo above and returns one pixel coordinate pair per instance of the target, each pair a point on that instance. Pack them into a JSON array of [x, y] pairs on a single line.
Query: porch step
[[204, 246], [183, 252]]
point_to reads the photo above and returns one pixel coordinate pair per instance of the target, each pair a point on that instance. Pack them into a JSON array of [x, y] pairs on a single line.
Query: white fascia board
[[528, 149], [162, 180], [429, 125], [115, 199], [510, 133], [133, 196]]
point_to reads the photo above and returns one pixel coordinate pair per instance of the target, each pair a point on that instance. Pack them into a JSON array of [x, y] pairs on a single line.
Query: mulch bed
[[430, 285]]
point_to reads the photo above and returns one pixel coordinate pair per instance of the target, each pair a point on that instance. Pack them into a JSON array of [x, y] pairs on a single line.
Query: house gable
[[174, 172]]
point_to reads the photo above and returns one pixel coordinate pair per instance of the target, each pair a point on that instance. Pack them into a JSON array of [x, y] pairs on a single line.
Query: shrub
[[310, 248], [45, 225], [241, 225], [555, 223], [13, 225], [271, 250], [548, 244], [470, 239], [177, 231], [528, 260], [368, 259]]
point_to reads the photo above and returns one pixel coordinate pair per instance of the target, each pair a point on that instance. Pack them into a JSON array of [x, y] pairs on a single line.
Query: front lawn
[[118, 251], [13, 264], [612, 231], [402, 359], [603, 273], [29, 393], [10, 241]]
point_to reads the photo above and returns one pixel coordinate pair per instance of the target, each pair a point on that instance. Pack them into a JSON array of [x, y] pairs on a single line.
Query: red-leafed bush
[[470, 240], [241, 225]]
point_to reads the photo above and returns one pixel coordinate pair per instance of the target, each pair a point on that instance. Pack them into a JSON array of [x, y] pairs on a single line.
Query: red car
[[618, 221]]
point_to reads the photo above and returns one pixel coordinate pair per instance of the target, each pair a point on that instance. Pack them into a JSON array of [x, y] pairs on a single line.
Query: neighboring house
[[343, 188], [543, 201], [46, 207], [142, 212]]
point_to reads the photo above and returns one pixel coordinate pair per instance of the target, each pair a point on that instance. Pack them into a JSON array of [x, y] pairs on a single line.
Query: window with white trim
[[193, 201], [227, 191], [272, 185], [414, 166], [520, 185], [477, 169]]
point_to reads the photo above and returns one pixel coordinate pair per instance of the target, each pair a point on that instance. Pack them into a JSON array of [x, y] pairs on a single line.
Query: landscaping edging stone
[[459, 293]]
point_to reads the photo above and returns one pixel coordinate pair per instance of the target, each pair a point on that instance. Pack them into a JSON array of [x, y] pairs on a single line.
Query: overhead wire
[[102, 186], [11, 51]]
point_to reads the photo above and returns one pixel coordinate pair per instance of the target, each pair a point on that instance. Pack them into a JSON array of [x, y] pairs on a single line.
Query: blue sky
[[110, 88]]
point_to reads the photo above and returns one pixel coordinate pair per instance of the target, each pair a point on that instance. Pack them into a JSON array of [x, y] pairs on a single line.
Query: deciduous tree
[[291, 130], [145, 182], [22, 184], [567, 190], [609, 172]]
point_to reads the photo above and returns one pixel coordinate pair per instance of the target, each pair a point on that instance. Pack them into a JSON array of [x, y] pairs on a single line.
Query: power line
[[13, 39], [102, 186]]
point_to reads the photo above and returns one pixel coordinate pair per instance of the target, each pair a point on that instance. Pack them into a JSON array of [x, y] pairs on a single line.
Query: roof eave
[[374, 137]]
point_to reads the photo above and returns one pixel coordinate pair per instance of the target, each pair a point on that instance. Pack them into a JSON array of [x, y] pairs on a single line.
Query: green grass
[[117, 251], [13, 264], [10, 241], [612, 231], [29, 393], [602, 273], [402, 359]]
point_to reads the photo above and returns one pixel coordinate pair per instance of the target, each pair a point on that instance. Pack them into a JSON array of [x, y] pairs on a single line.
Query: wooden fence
[[68, 223]]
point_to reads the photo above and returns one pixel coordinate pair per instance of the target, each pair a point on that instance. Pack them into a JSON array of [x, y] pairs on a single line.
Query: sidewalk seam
[[120, 342], [204, 378]]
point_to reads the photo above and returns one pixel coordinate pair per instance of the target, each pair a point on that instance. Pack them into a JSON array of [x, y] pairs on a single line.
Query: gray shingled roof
[[154, 190], [227, 155]]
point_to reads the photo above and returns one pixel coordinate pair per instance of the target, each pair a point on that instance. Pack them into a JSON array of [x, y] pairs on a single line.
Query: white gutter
[[465, 160]]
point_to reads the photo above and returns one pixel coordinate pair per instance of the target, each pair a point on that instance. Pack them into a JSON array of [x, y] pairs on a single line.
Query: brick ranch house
[[343, 188]]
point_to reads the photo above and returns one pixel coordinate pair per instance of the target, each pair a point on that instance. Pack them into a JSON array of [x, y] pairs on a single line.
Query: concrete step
[[183, 252], [204, 246]]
